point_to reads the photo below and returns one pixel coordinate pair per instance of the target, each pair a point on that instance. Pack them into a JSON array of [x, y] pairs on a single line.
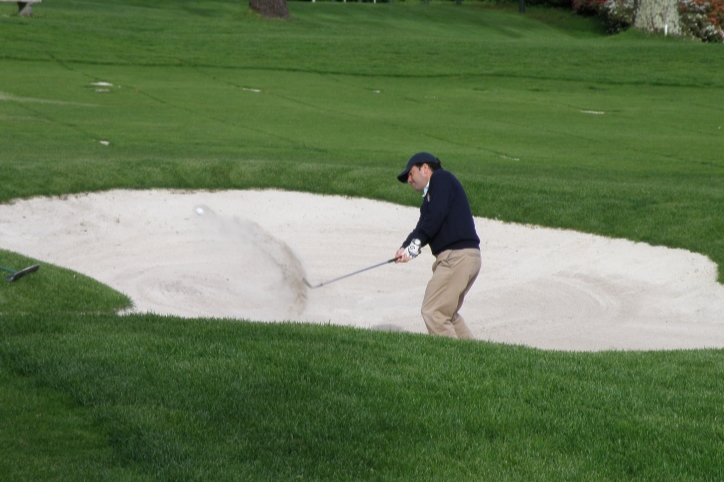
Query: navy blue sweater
[[446, 221]]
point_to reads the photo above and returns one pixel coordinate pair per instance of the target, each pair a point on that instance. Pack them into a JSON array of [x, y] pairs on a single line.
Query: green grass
[[214, 400], [45, 435], [54, 290], [347, 92]]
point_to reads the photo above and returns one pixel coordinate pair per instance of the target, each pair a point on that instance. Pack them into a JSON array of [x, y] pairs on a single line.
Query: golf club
[[350, 274], [16, 275], [413, 250]]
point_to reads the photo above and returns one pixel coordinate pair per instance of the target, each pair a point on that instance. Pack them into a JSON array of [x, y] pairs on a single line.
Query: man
[[446, 224]]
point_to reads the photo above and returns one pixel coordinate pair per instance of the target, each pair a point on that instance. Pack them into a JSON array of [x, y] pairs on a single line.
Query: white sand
[[246, 256]]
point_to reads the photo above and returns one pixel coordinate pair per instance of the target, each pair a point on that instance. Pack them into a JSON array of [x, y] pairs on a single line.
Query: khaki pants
[[453, 273]]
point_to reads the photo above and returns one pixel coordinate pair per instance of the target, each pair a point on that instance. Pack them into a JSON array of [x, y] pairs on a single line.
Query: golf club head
[[310, 285], [19, 274]]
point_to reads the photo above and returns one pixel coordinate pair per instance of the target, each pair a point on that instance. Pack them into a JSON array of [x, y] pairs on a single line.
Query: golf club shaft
[[352, 274]]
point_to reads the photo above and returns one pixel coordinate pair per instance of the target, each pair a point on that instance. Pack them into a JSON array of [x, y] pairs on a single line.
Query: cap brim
[[402, 177]]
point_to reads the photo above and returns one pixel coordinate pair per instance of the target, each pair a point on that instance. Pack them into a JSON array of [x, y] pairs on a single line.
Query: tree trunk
[[270, 8]]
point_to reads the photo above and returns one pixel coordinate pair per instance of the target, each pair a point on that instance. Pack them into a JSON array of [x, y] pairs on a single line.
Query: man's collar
[[424, 191]]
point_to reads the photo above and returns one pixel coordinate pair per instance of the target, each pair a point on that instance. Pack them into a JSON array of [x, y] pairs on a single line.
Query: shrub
[[699, 19], [549, 3], [702, 19], [587, 8], [617, 15]]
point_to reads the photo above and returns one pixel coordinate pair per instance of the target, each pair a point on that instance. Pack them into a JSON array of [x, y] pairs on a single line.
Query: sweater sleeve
[[435, 208]]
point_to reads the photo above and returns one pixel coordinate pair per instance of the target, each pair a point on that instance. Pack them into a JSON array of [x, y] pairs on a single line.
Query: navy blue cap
[[419, 158]]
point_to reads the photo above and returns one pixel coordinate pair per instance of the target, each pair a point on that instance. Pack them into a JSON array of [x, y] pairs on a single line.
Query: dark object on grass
[[270, 8], [16, 275]]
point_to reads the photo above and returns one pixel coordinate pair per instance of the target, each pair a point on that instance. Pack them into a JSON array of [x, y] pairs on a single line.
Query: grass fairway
[[544, 119]]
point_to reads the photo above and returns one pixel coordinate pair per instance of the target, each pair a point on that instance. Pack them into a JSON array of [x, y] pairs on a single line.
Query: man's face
[[418, 177]]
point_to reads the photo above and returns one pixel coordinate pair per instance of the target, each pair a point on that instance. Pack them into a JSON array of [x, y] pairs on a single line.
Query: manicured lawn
[[213, 400]]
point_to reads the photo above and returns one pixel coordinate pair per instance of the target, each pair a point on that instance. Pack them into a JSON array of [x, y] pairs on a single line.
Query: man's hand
[[406, 254], [401, 256]]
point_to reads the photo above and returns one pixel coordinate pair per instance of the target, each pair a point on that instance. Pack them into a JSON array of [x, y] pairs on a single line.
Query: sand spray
[[264, 253]]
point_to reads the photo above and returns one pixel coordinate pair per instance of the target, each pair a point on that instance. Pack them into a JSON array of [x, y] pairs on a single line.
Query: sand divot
[[246, 257]]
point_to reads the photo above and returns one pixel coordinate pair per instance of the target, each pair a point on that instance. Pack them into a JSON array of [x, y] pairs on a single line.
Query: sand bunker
[[246, 256]]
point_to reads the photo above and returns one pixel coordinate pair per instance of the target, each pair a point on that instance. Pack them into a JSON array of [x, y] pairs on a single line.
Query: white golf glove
[[413, 249]]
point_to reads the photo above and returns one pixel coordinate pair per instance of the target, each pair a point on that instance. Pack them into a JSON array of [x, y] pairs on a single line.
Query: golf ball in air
[[200, 211]]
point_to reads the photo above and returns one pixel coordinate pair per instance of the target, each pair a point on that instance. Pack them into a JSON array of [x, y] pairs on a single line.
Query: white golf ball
[[200, 211]]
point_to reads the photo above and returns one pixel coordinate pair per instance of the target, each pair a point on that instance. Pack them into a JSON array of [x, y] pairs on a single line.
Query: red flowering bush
[[702, 19]]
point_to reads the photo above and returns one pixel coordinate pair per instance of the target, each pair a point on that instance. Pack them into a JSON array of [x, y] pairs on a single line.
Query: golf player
[[446, 224]]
